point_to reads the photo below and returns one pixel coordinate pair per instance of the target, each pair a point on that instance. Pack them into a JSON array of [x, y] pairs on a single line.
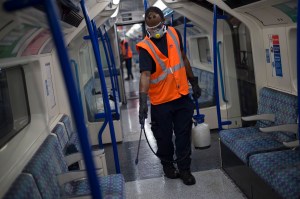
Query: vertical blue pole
[[75, 103], [145, 5], [103, 84], [298, 66], [109, 68], [216, 67]]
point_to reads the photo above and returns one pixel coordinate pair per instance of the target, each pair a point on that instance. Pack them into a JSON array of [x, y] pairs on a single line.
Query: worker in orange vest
[[127, 56], [165, 72]]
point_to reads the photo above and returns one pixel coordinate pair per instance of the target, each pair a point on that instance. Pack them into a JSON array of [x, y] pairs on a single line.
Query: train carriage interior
[[70, 99]]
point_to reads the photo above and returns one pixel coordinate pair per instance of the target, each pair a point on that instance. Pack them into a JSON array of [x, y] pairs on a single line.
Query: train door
[[238, 72]]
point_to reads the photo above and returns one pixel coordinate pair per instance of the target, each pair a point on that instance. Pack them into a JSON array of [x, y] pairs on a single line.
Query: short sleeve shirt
[[146, 61]]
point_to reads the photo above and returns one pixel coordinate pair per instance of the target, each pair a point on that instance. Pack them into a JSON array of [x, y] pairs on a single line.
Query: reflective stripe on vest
[[172, 69]]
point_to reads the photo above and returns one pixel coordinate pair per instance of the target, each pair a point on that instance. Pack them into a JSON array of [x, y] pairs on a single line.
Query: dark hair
[[155, 10]]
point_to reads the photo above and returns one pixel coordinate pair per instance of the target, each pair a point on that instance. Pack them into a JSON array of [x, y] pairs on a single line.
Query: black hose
[[162, 159]]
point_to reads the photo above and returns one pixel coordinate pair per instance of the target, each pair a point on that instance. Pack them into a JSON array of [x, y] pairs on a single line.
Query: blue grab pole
[[52, 17], [199, 117], [215, 56], [145, 5], [216, 84], [298, 66], [103, 84], [109, 68], [112, 61]]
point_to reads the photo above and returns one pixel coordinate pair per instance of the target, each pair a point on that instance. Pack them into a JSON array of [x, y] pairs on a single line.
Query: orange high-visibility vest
[[169, 81], [129, 52]]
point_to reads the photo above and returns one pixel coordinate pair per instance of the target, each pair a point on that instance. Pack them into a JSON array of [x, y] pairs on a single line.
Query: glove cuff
[[143, 97], [193, 81]]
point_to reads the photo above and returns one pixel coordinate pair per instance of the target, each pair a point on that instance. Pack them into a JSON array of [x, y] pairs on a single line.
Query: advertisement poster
[[11, 43], [36, 43], [275, 55]]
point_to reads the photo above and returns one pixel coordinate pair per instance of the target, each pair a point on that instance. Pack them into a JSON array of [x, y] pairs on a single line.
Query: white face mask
[[156, 31]]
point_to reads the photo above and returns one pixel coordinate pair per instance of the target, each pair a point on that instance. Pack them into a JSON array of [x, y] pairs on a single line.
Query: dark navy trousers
[[173, 117]]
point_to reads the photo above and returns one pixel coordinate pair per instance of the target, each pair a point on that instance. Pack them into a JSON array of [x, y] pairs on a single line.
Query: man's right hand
[[143, 108]]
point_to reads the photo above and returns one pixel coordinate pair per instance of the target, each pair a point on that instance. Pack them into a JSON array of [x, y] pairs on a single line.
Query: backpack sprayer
[[200, 136]]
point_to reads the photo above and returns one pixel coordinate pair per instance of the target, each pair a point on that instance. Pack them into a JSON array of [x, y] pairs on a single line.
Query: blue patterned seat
[[247, 141], [62, 135], [110, 192], [24, 187], [73, 138], [48, 163], [281, 170]]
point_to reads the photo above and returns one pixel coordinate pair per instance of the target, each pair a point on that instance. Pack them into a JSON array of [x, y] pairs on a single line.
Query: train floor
[[146, 179]]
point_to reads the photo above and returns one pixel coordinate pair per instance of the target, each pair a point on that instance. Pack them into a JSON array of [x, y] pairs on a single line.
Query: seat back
[[45, 165], [62, 135], [24, 187], [283, 105], [73, 137], [68, 125]]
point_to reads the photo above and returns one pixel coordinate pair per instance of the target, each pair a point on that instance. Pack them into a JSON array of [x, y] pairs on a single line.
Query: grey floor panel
[[149, 165], [211, 184]]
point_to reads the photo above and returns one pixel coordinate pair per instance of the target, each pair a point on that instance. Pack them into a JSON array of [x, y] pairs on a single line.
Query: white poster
[[49, 87]]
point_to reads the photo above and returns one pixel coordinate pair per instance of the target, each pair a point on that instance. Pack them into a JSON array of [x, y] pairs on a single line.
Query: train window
[[204, 50], [14, 107]]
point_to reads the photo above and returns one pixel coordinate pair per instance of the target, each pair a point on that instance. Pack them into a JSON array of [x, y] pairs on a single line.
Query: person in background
[[165, 72], [127, 56]]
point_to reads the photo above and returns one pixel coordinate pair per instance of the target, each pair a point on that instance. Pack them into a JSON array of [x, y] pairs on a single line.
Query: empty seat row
[[69, 142], [265, 149], [47, 176], [275, 108]]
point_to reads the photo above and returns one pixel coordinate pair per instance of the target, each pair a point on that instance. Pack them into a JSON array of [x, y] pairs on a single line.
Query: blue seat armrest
[[76, 157], [75, 175], [293, 128], [268, 117], [292, 144]]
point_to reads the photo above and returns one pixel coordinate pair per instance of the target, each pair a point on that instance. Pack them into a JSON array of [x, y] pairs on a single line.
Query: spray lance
[[199, 117]]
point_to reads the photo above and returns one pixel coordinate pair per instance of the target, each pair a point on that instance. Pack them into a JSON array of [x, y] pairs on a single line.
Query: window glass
[[14, 108]]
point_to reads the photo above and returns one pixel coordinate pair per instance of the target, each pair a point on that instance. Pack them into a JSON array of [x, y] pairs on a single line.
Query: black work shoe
[[187, 177], [171, 172], [126, 79]]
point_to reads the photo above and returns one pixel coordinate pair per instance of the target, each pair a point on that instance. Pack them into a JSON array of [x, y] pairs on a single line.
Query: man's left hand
[[196, 88]]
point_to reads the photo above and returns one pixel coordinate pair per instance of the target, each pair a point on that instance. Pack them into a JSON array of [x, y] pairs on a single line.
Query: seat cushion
[[112, 187], [261, 143], [229, 136], [280, 169]]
